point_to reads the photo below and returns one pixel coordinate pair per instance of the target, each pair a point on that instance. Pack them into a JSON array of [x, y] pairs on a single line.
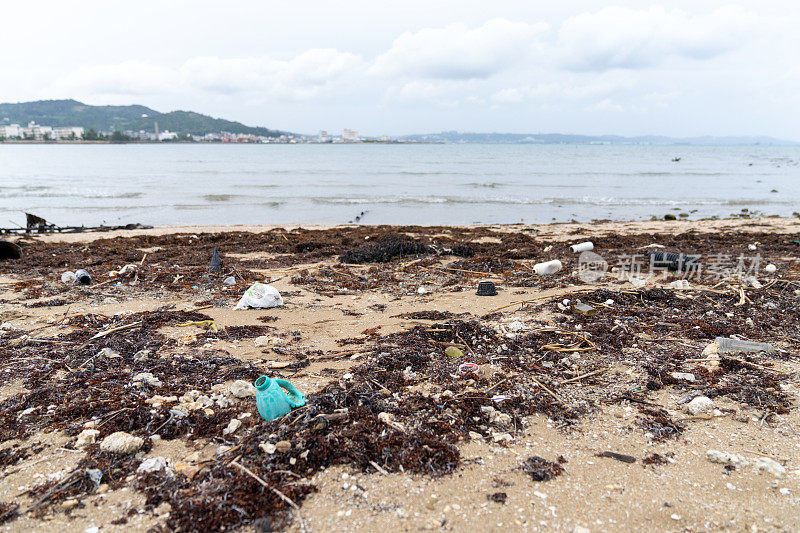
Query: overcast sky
[[680, 68]]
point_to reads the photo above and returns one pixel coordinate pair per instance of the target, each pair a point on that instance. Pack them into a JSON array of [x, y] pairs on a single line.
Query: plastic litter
[[680, 284], [276, 397], [216, 262], [465, 369], [547, 268], [582, 247], [83, 277], [770, 269], [68, 277], [728, 345], [95, 475], [260, 296], [9, 250], [486, 288], [230, 280], [452, 351], [584, 309], [673, 261], [127, 270]]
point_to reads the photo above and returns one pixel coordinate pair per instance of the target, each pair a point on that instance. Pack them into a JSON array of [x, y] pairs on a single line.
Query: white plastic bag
[[260, 296]]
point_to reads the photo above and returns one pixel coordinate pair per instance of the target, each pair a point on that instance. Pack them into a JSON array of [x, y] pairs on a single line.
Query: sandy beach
[[548, 420]]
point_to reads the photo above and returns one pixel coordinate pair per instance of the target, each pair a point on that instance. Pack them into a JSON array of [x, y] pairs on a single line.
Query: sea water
[[182, 184]]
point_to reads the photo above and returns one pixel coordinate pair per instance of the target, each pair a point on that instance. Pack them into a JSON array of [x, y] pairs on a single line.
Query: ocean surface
[[390, 184]]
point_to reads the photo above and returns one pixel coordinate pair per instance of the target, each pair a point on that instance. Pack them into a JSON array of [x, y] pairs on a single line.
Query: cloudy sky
[[679, 68]]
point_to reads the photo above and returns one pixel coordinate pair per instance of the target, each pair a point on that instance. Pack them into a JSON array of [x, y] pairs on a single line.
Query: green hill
[[122, 117]]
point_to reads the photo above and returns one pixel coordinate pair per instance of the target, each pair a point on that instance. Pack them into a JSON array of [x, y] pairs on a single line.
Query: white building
[[37, 132], [11, 131], [68, 133], [167, 135], [349, 135]]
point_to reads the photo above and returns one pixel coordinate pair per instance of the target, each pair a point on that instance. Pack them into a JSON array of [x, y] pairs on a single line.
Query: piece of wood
[[379, 468]]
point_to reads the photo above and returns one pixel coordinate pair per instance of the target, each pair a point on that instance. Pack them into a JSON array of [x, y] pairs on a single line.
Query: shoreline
[[553, 231]]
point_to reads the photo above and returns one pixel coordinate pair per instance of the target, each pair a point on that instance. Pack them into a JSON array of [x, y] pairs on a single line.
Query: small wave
[[486, 185], [218, 197], [25, 188], [560, 201], [72, 194]]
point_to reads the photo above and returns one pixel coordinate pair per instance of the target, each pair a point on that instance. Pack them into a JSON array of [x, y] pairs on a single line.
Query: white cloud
[[126, 78], [303, 76], [617, 37], [458, 52], [553, 65], [570, 87], [606, 104]]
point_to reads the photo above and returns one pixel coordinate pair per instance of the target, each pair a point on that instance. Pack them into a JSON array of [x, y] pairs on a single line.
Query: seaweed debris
[[386, 249], [541, 469]]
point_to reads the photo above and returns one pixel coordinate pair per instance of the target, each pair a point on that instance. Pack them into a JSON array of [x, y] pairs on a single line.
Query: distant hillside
[[561, 138], [123, 117]]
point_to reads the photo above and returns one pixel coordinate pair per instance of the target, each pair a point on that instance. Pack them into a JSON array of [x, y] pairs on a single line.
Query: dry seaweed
[[541, 469]]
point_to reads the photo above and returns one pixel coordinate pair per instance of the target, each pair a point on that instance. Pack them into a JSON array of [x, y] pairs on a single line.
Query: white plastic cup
[[587, 246], [680, 284], [547, 268]]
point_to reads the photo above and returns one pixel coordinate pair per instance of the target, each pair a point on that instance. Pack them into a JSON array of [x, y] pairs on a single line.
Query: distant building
[[37, 132], [68, 133], [349, 135], [11, 131], [167, 135]]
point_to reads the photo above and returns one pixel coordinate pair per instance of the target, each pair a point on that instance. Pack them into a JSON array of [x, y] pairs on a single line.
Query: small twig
[[512, 304], [110, 331], [465, 344], [548, 391], [495, 386], [275, 491], [379, 468], [381, 386], [115, 413], [589, 374]]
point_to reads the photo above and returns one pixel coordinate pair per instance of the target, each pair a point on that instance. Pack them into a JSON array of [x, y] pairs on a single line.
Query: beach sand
[[372, 337]]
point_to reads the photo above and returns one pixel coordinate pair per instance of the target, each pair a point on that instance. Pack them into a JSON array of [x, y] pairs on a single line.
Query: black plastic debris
[[216, 262], [673, 261], [486, 288], [618, 456], [9, 250]]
